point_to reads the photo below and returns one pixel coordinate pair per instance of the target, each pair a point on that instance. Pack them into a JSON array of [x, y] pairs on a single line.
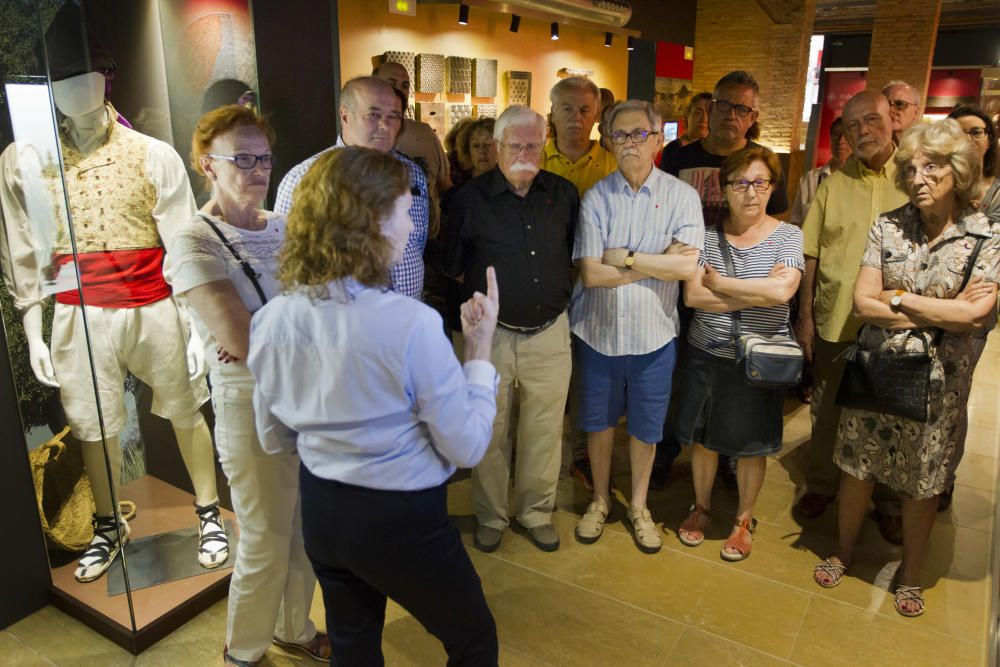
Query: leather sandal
[[906, 594], [692, 531], [318, 648], [740, 540], [835, 571]]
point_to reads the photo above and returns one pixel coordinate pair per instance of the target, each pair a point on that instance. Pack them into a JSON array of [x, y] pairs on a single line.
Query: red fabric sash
[[117, 278]]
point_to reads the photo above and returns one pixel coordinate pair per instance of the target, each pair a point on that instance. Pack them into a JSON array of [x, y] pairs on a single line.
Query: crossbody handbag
[[770, 362], [247, 269], [889, 382]]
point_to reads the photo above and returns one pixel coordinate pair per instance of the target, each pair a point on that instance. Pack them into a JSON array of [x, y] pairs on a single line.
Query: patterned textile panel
[[519, 88], [404, 58], [457, 112], [486, 110], [430, 73], [459, 74], [484, 77]]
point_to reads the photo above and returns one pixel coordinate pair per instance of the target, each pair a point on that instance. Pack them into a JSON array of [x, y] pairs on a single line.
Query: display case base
[[158, 610]]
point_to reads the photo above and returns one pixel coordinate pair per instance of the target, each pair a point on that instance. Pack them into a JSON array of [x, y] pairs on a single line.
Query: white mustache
[[518, 167]]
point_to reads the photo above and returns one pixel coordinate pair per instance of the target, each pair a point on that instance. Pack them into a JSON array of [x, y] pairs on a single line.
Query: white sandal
[[103, 549], [213, 543]]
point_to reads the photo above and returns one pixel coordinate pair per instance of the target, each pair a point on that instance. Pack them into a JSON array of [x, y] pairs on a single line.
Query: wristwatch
[[897, 299], [630, 259]]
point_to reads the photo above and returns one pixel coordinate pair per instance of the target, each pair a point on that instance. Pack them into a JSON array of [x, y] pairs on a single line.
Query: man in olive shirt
[[835, 231], [522, 222], [576, 104]]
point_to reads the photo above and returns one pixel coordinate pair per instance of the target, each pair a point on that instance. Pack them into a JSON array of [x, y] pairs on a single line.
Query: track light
[[555, 32], [631, 43], [463, 14], [515, 22], [607, 39]]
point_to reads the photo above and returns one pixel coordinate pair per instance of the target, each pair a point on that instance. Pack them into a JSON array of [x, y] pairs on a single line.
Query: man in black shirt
[[521, 221]]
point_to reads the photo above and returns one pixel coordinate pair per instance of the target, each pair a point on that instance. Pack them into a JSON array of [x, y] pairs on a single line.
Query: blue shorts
[[636, 385]]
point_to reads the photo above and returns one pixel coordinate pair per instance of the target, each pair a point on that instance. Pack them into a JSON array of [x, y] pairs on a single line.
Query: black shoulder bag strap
[[965, 279], [247, 269], [730, 272]]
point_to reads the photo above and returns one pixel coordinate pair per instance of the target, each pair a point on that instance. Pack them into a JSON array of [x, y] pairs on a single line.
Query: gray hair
[[943, 142], [518, 115], [655, 121], [897, 82], [574, 83], [348, 94]]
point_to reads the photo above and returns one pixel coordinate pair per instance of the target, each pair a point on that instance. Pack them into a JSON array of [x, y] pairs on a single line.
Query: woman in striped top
[[718, 412]]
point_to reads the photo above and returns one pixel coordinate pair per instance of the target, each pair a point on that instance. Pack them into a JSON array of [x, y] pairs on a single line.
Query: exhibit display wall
[[367, 30]]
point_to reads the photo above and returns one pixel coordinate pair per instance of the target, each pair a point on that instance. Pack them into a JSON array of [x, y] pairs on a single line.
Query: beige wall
[[367, 29]]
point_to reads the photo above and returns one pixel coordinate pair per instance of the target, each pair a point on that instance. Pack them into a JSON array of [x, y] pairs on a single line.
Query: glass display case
[[109, 375]]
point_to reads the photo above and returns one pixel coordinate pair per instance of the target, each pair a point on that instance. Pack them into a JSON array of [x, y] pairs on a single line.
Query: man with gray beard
[[520, 220]]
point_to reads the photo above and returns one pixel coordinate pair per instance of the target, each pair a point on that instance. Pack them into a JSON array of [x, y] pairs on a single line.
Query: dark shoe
[[487, 539], [812, 505], [580, 469], [234, 662], [944, 498], [890, 526], [661, 471], [318, 648], [544, 537]]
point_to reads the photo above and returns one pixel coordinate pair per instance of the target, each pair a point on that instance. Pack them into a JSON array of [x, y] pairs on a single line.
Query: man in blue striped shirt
[[640, 232], [370, 116]]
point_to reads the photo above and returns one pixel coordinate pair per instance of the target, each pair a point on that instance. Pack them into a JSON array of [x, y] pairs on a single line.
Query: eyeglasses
[[725, 107], [246, 160], [760, 185], [900, 105], [517, 148], [638, 136], [976, 132], [930, 171]]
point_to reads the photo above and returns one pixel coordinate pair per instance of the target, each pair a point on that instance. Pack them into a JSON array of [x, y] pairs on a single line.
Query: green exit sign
[[405, 7]]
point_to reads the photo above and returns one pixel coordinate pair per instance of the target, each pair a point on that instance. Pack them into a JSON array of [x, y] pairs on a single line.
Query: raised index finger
[[492, 290]]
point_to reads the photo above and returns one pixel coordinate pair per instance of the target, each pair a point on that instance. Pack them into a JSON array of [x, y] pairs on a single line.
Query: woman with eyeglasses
[[911, 298], [982, 131], [225, 262], [718, 413]]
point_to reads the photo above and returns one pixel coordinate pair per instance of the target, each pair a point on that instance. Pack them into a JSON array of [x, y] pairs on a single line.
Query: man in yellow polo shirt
[[576, 103], [570, 153], [835, 231]]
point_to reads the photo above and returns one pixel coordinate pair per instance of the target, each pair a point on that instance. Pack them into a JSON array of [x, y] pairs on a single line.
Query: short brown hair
[[221, 120], [334, 229], [745, 157], [464, 138]]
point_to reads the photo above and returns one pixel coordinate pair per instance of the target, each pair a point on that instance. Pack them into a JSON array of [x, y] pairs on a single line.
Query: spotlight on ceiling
[[555, 32], [607, 39], [515, 22], [631, 43], [463, 14]]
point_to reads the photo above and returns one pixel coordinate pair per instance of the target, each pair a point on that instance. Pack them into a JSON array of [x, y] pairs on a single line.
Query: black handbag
[[769, 362], [895, 383]]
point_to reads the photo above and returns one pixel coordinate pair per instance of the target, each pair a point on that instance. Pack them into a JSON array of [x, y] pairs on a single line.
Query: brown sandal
[[740, 540], [835, 571], [695, 526]]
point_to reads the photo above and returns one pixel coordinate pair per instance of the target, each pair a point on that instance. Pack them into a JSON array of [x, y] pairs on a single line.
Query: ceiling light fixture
[[607, 39], [515, 22], [463, 14], [555, 32]]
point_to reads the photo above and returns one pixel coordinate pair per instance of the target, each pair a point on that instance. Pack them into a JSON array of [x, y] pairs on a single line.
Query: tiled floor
[[608, 604]]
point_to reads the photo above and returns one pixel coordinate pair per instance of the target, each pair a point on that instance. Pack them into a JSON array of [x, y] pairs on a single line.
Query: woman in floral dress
[[909, 295]]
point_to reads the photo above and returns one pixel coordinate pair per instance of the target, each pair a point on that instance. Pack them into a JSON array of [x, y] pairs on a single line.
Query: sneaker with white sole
[[644, 531], [213, 543], [103, 549]]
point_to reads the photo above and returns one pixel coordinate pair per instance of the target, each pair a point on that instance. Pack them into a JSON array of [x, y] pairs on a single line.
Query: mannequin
[[126, 193]]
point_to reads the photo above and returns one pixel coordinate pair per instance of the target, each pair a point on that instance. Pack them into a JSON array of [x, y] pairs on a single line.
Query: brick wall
[[903, 40], [736, 34]]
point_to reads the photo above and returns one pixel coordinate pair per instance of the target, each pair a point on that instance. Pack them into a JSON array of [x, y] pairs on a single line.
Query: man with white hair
[[521, 221], [904, 106]]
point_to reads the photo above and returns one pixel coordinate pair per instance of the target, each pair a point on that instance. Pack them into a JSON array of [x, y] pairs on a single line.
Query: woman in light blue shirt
[[365, 385]]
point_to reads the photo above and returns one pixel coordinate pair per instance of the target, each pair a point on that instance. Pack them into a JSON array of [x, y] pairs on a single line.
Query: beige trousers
[[538, 367]]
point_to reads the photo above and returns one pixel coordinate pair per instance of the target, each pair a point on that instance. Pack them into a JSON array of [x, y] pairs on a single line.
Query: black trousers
[[368, 545]]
